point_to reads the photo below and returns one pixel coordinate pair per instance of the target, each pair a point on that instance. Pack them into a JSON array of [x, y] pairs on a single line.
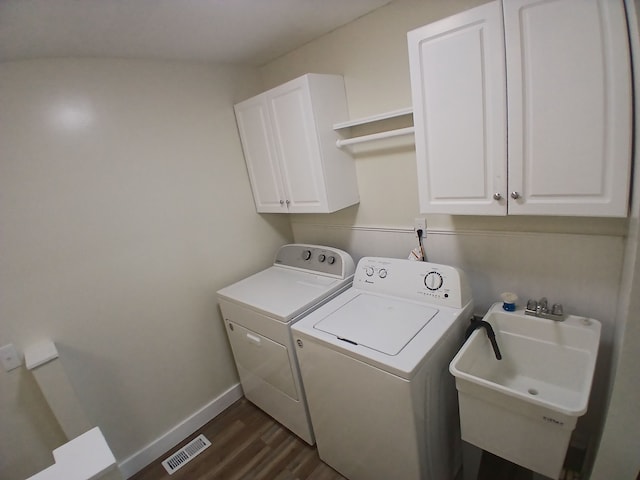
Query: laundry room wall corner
[[125, 206]]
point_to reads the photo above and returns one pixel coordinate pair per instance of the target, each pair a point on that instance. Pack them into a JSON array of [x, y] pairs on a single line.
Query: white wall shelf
[[381, 121], [373, 118], [374, 136]]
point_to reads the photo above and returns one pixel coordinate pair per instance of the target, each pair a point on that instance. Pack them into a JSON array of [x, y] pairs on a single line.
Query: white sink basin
[[525, 406], [544, 362]]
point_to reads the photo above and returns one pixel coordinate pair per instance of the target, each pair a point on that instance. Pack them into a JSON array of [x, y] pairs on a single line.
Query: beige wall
[[618, 453], [371, 54], [533, 256], [125, 205]]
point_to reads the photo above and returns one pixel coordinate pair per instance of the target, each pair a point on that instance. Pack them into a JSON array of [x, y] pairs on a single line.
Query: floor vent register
[[186, 454]]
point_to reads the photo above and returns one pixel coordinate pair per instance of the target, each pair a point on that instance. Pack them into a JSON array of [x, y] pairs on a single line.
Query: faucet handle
[[557, 309], [532, 304]]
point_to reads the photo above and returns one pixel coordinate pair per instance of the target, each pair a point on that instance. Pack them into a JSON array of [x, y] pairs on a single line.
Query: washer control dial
[[331, 260], [382, 273], [433, 280], [322, 257], [306, 254], [369, 271]]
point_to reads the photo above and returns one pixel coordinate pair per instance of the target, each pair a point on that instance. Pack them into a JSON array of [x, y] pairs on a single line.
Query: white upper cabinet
[[569, 107], [559, 121], [459, 112], [290, 148]]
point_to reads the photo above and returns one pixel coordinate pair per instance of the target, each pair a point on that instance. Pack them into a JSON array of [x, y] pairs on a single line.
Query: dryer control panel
[[419, 281], [316, 258]]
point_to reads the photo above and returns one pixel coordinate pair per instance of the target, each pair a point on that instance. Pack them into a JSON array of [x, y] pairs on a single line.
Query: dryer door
[[259, 361]]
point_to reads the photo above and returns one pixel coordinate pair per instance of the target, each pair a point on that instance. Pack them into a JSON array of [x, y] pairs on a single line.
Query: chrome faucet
[[540, 308]]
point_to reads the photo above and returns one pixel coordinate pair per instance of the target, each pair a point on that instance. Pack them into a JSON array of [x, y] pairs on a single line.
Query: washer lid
[[380, 323]]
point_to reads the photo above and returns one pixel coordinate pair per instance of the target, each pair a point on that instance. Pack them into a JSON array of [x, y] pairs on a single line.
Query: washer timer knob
[[433, 281], [322, 257], [369, 271], [331, 260], [306, 255], [382, 273]]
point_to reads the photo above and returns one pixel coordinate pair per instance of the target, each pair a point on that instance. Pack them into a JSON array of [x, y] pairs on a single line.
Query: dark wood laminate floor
[[246, 443]]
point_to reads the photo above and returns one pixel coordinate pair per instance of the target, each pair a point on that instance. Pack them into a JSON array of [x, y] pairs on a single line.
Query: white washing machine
[[258, 313], [374, 364]]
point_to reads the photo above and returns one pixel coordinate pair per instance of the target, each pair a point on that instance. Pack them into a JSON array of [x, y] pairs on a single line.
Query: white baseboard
[[177, 434]]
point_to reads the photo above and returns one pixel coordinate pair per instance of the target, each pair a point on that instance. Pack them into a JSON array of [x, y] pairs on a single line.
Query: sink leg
[[471, 456]]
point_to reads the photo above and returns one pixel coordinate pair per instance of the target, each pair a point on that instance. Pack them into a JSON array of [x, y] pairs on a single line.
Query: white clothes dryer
[[374, 364], [258, 313]]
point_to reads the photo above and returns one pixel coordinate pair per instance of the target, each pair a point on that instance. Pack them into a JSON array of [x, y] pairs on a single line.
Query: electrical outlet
[[420, 223], [9, 357]]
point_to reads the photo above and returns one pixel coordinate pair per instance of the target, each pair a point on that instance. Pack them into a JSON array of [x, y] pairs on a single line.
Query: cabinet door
[[296, 142], [569, 106], [458, 88], [254, 126]]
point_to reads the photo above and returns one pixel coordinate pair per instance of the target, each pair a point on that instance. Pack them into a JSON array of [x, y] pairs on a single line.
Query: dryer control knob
[[369, 271], [322, 257], [382, 273], [331, 260], [306, 254]]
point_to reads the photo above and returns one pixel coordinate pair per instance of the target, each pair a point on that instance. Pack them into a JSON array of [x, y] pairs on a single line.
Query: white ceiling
[[238, 31]]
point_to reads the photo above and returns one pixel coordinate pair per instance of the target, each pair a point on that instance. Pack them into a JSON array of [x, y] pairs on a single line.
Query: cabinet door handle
[[515, 195], [281, 202], [288, 202], [497, 196]]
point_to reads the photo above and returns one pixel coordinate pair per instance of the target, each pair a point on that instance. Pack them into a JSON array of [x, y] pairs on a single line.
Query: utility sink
[[525, 406]]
